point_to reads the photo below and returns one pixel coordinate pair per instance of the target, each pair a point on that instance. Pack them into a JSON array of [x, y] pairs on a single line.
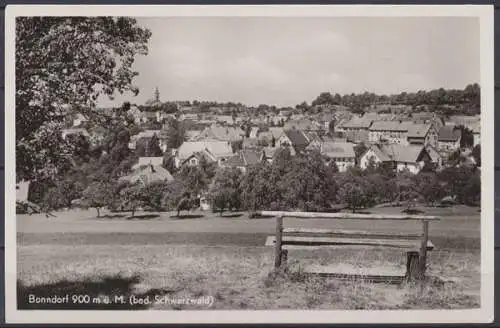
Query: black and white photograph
[[245, 164]]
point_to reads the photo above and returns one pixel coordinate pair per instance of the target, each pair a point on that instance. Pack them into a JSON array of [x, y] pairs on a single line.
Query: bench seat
[[331, 241]]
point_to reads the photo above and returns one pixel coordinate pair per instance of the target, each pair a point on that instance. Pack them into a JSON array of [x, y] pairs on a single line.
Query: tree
[[154, 149], [98, 195], [273, 142], [133, 196], [429, 187], [467, 140], [325, 98], [63, 63], [352, 191], [176, 134], [225, 191]]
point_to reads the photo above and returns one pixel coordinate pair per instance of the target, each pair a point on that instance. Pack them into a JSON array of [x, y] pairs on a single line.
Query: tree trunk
[[98, 212], [133, 212]]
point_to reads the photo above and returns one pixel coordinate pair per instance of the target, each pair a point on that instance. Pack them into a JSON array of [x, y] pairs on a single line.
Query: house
[[357, 136], [148, 134], [243, 160], [220, 133], [269, 134], [388, 131], [340, 153], [221, 150], [401, 157], [196, 158], [295, 139], [449, 138], [428, 118], [422, 134], [356, 123], [143, 161], [75, 131], [147, 174]]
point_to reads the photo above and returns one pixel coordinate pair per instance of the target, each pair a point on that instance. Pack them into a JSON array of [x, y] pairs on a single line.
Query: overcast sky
[[284, 61]]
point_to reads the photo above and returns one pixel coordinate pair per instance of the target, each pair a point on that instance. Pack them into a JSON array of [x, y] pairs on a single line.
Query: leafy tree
[[308, 184], [325, 98], [133, 196], [353, 192], [429, 187], [64, 62], [467, 140], [176, 134], [225, 190], [98, 195], [154, 149]]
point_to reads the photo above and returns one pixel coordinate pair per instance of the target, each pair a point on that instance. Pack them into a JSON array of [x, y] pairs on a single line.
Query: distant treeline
[[452, 101]]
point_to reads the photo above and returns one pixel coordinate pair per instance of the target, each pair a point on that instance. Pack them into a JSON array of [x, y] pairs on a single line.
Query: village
[[392, 136]]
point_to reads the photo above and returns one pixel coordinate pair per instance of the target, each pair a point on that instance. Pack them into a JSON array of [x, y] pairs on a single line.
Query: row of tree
[[288, 183]]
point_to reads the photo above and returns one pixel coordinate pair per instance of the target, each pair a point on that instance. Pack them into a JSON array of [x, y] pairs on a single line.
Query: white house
[[401, 157], [422, 134], [389, 131], [221, 150]]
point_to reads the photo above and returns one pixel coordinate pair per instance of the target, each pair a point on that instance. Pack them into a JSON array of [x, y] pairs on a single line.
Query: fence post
[[277, 246], [423, 249]]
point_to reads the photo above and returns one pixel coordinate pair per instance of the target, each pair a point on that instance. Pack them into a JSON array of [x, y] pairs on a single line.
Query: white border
[[485, 314]]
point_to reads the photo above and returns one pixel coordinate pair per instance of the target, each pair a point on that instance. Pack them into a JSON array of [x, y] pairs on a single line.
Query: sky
[[283, 61]]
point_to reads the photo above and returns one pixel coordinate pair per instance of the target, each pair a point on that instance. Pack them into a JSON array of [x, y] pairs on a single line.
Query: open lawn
[[224, 260], [234, 278], [458, 229]]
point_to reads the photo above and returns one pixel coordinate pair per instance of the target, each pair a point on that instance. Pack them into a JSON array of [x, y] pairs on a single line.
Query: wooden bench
[[416, 245]]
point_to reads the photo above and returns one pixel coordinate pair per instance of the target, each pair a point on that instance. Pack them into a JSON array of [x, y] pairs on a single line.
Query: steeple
[[157, 95]]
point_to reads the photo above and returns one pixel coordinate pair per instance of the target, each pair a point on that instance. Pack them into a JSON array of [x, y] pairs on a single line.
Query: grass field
[[224, 259]]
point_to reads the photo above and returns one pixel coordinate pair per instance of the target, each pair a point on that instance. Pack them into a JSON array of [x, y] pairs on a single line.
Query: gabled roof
[[433, 153], [298, 139], [389, 126], [249, 157], [401, 153], [302, 124], [148, 174], [217, 148], [378, 152], [358, 123], [205, 153], [449, 133], [418, 130], [222, 133], [337, 149]]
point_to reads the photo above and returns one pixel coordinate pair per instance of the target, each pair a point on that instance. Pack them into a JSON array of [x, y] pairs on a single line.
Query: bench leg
[[413, 271], [284, 256]]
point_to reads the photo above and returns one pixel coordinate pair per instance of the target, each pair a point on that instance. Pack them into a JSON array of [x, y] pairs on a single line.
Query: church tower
[[157, 95]]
